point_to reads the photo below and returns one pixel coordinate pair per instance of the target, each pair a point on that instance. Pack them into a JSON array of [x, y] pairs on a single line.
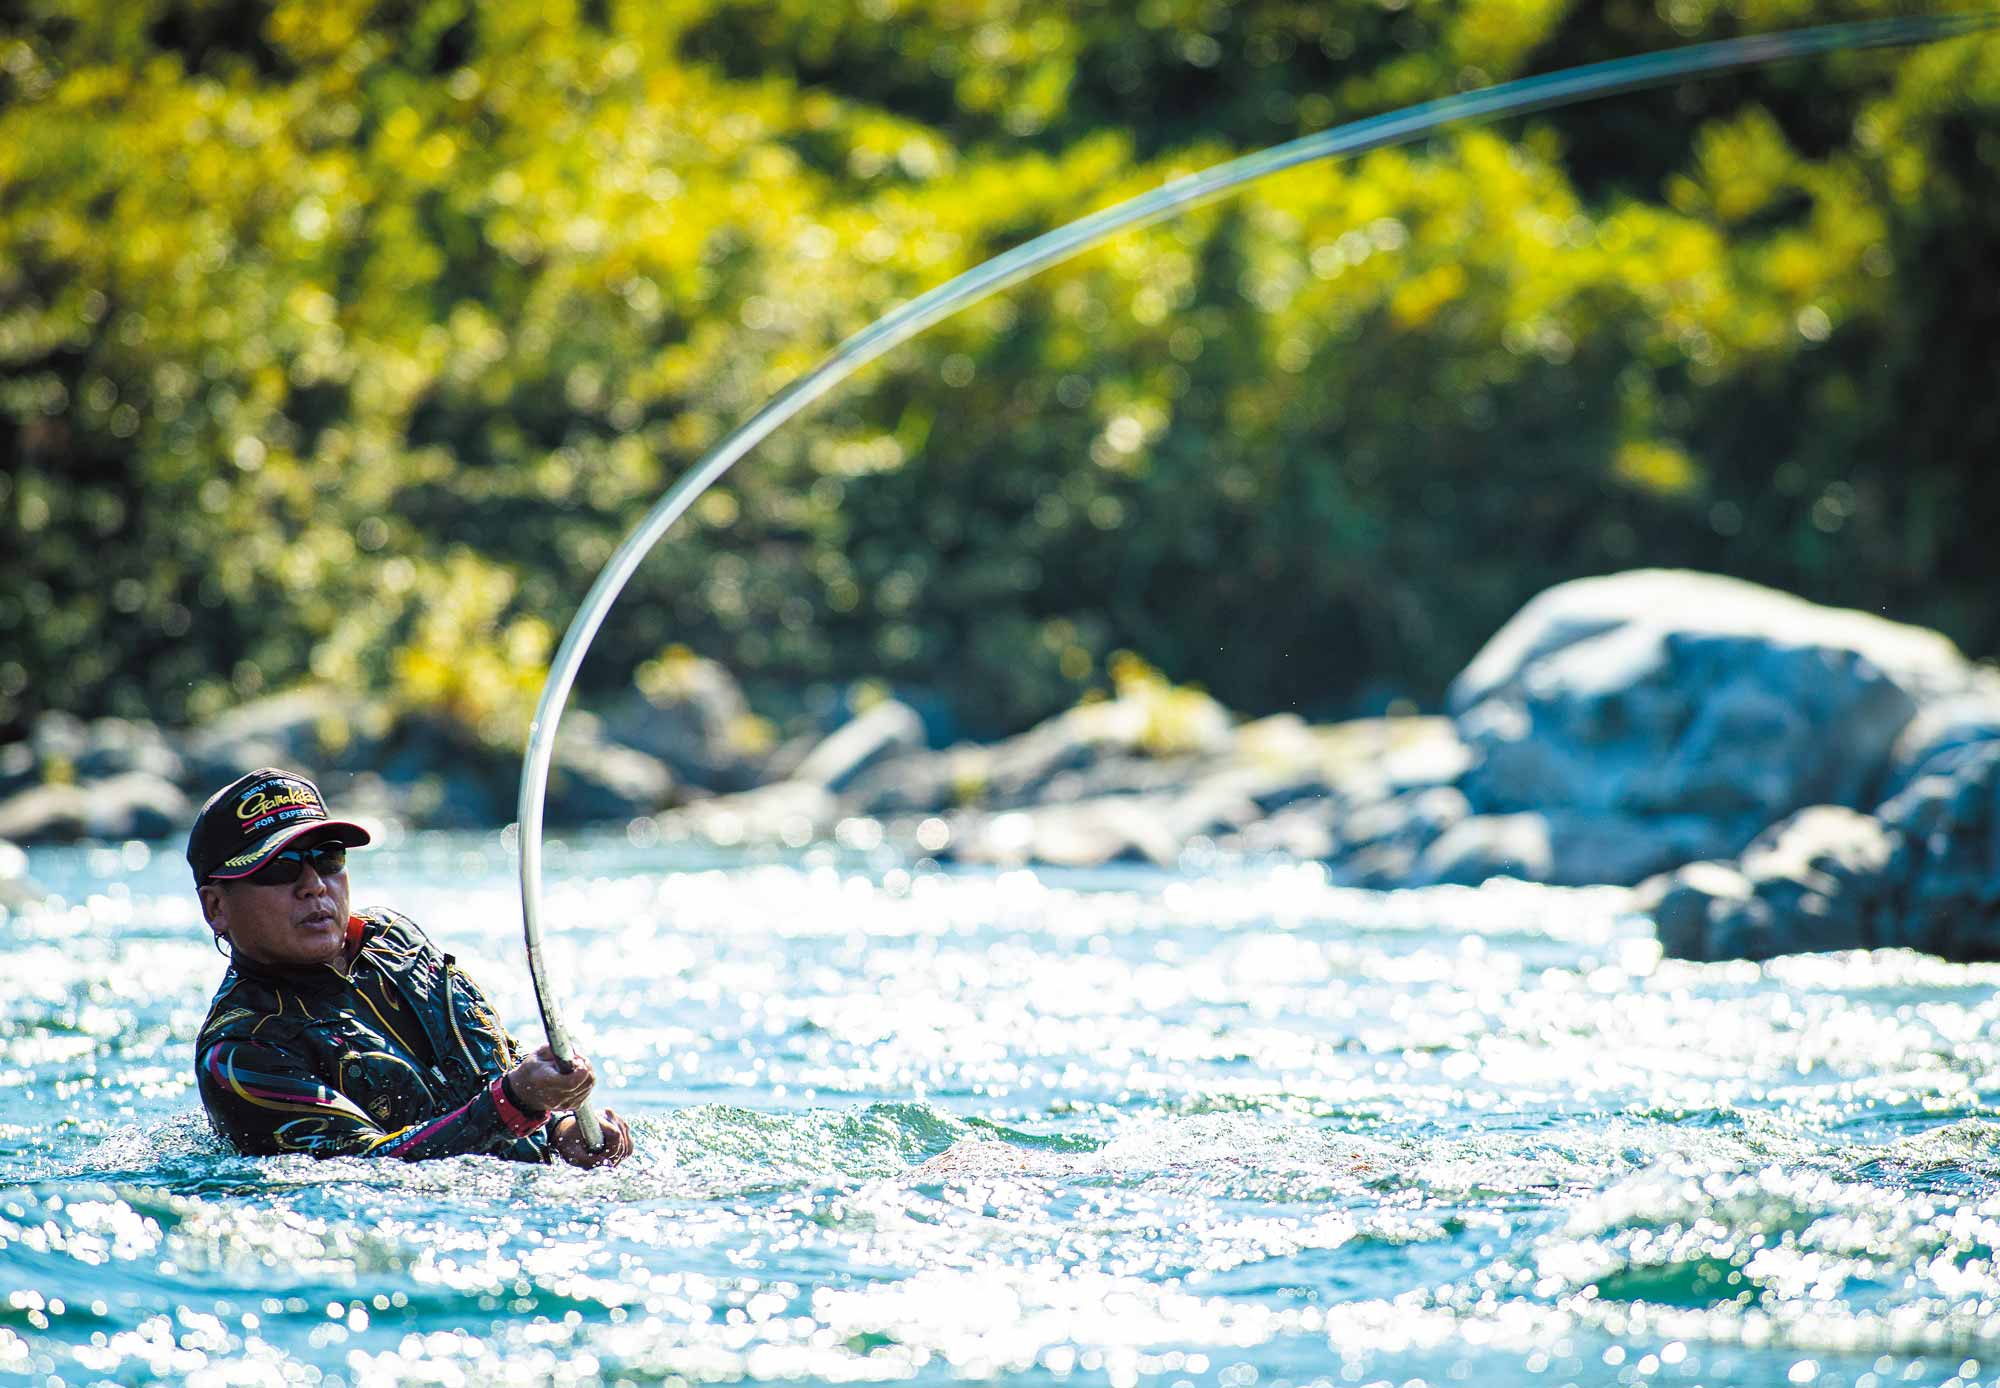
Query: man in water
[[342, 1034]]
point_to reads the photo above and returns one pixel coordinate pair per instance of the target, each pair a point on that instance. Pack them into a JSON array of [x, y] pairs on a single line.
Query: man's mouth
[[317, 918]]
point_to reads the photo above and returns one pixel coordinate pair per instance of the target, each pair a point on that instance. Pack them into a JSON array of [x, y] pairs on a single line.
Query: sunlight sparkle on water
[[1230, 1127]]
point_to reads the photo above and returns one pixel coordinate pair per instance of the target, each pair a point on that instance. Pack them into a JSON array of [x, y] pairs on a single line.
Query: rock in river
[[1820, 879], [1660, 697], [136, 805]]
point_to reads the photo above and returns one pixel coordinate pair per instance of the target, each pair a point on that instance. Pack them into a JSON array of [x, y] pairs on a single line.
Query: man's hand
[[544, 1082], [568, 1140]]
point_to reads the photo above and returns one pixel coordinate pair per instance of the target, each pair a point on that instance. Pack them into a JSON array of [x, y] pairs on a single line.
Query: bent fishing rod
[[899, 325]]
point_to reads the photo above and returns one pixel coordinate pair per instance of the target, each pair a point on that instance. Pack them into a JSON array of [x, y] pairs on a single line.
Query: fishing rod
[[899, 325]]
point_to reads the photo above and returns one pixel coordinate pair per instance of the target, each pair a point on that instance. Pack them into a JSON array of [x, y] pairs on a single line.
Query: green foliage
[[345, 339]]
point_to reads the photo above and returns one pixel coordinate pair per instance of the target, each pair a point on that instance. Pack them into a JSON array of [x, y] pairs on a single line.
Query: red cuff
[[518, 1123]]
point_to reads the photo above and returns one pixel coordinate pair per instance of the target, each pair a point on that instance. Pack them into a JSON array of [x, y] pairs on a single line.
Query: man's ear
[[211, 904]]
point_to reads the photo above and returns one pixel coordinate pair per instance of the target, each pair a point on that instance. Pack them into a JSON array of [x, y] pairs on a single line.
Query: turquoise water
[[1231, 1127]]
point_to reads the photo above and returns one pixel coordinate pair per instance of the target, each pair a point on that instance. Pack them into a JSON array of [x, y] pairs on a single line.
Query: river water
[[1231, 1126]]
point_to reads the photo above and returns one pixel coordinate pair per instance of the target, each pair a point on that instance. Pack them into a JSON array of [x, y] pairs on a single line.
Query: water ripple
[[901, 1126]]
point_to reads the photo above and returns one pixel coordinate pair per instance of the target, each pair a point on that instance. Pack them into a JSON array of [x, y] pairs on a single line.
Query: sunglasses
[[290, 865]]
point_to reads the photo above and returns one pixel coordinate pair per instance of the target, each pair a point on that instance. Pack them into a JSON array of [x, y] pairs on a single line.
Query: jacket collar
[[359, 928]]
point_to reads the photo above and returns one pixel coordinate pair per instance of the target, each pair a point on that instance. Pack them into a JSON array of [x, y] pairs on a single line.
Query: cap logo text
[[262, 802]]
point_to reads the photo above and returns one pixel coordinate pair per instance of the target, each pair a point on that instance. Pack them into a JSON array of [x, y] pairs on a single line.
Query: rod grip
[[593, 1131]]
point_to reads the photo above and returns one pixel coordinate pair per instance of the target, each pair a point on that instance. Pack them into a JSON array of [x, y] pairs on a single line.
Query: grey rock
[[1302, 829], [1122, 773], [1564, 849], [1123, 828], [44, 814], [1020, 771], [1942, 729], [135, 805], [1489, 845], [1015, 771], [1623, 850], [1302, 786], [1368, 795], [1666, 696], [362, 795], [1946, 875], [789, 812], [1275, 762], [1381, 843], [1147, 743], [1412, 753], [920, 782], [422, 747], [118, 745], [592, 779], [439, 777], [449, 798], [784, 758], [279, 730], [693, 718], [870, 737], [1682, 903], [1821, 879], [1416, 816], [1710, 604]]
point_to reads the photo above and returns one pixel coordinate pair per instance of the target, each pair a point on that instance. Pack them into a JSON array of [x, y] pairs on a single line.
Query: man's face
[[302, 922]]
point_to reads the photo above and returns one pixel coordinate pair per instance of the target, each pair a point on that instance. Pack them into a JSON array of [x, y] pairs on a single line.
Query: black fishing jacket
[[393, 1053]]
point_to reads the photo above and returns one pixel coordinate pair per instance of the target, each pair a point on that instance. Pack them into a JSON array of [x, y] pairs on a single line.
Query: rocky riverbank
[[1771, 775]]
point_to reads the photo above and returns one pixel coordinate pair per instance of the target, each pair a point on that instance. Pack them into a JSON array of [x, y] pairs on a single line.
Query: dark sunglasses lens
[[290, 865], [281, 870]]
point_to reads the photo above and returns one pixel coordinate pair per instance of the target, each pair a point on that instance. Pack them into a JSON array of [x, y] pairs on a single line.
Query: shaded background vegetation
[[343, 339]]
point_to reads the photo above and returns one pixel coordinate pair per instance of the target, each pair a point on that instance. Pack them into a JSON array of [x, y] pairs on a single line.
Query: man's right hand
[[566, 1136], [544, 1082]]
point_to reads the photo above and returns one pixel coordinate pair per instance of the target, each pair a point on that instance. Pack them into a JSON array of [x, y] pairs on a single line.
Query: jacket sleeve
[[265, 1101]]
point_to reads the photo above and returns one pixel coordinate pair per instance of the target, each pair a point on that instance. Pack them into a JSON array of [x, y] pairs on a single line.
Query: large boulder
[[1824, 878], [690, 714], [45, 813], [1564, 849], [1946, 879], [117, 746], [789, 812], [1140, 828], [293, 729], [595, 779], [875, 735], [439, 776], [1383, 843], [1087, 750], [136, 805], [1664, 697], [1922, 872], [1152, 740], [1943, 729]]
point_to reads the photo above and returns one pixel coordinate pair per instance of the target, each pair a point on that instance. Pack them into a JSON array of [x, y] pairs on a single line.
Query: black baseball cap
[[249, 820]]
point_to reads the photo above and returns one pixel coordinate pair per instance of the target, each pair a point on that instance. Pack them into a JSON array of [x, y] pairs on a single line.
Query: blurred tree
[[344, 338]]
